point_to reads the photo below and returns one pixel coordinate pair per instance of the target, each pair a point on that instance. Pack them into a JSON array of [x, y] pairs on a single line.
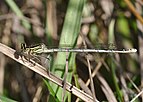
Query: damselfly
[[41, 48], [35, 51]]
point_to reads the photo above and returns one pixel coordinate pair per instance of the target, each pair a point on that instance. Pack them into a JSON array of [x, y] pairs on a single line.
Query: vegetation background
[[98, 23]]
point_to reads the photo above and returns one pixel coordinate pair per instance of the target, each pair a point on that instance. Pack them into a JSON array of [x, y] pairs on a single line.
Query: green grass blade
[[115, 82], [69, 36], [52, 93], [5, 99], [111, 38]]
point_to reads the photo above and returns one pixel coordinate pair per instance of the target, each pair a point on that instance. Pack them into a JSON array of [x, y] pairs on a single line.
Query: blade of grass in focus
[[69, 36], [18, 12]]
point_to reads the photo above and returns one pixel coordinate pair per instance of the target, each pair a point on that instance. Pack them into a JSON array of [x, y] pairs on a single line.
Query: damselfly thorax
[[30, 52]]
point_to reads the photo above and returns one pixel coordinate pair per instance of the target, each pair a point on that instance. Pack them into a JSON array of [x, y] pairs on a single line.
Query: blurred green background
[[58, 23]]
